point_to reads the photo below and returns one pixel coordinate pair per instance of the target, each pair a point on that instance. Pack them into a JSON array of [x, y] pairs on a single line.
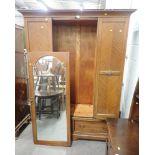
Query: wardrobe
[[96, 42]]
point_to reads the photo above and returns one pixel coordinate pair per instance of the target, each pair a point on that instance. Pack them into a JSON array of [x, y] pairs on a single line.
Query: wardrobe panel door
[[108, 96], [112, 33], [38, 34]]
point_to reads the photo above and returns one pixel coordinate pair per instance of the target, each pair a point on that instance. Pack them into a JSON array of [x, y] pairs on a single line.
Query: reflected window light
[[81, 7], [77, 17]]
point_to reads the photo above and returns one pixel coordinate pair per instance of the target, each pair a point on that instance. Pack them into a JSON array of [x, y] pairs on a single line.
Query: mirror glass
[[49, 75]]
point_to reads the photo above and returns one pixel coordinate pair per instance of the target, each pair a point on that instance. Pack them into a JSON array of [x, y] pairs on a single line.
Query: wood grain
[[110, 57], [79, 39], [89, 128], [82, 110], [38, 34], [86, 64], [134, 110], [123, 134], [65, 39]]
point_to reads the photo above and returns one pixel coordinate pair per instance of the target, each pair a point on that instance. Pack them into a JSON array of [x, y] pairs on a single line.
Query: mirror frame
[[33, 57]]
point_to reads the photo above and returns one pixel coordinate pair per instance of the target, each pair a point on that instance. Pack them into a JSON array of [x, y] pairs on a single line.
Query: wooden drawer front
[[90, 126]]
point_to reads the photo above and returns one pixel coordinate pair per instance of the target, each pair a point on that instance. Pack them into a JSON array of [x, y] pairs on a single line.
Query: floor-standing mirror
[[50, 97]]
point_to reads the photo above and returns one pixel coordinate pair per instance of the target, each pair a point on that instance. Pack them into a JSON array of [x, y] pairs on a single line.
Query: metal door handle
[[109, 72]]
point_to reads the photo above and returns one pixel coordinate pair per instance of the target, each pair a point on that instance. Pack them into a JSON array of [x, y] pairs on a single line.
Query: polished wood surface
[[89, 128], [86, 67], [123, 137], [84, 126], [22, 109], [111, 44], [33, 57], [65, 39], [82, 110], [38, 34], [79, 39], [134, 110]]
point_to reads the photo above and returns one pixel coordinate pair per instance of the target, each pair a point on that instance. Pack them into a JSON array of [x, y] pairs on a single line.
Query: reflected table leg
[[40, 107]]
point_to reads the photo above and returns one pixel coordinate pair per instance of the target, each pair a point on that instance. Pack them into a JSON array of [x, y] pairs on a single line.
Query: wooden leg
[[40, 108], [107, 143], [74, 138], [51, 106], [58, 110]]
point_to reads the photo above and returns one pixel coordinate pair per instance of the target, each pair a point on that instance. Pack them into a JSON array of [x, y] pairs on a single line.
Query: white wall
[[122, 4], [131, 73], [118, 4]]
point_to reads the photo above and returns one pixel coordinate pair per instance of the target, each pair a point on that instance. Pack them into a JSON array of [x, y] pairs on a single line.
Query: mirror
[[50, 107]]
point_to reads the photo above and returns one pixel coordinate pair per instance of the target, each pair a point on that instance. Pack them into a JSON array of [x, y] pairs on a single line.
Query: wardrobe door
[[38, 34], [111, 43]]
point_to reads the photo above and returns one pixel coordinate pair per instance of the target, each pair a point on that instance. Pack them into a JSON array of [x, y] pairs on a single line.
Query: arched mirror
[[50, 98]]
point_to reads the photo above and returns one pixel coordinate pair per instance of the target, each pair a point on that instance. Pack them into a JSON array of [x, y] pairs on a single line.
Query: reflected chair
[[47, 89]]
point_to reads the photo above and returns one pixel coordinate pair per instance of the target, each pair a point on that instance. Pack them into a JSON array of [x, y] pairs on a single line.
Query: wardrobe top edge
[[62, 13]]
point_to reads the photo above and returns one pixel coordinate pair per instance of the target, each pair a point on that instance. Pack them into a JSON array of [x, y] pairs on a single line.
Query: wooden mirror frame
[[33, 57]]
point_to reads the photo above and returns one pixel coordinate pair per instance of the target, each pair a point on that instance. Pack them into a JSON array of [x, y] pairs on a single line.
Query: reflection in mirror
[[50, 99]]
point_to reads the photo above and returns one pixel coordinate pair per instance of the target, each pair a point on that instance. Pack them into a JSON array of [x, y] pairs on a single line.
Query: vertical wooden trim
[[26, 35], [68, 109], [124, 54], [32, 100], [77, 64], [50, 33], [99, 26]]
